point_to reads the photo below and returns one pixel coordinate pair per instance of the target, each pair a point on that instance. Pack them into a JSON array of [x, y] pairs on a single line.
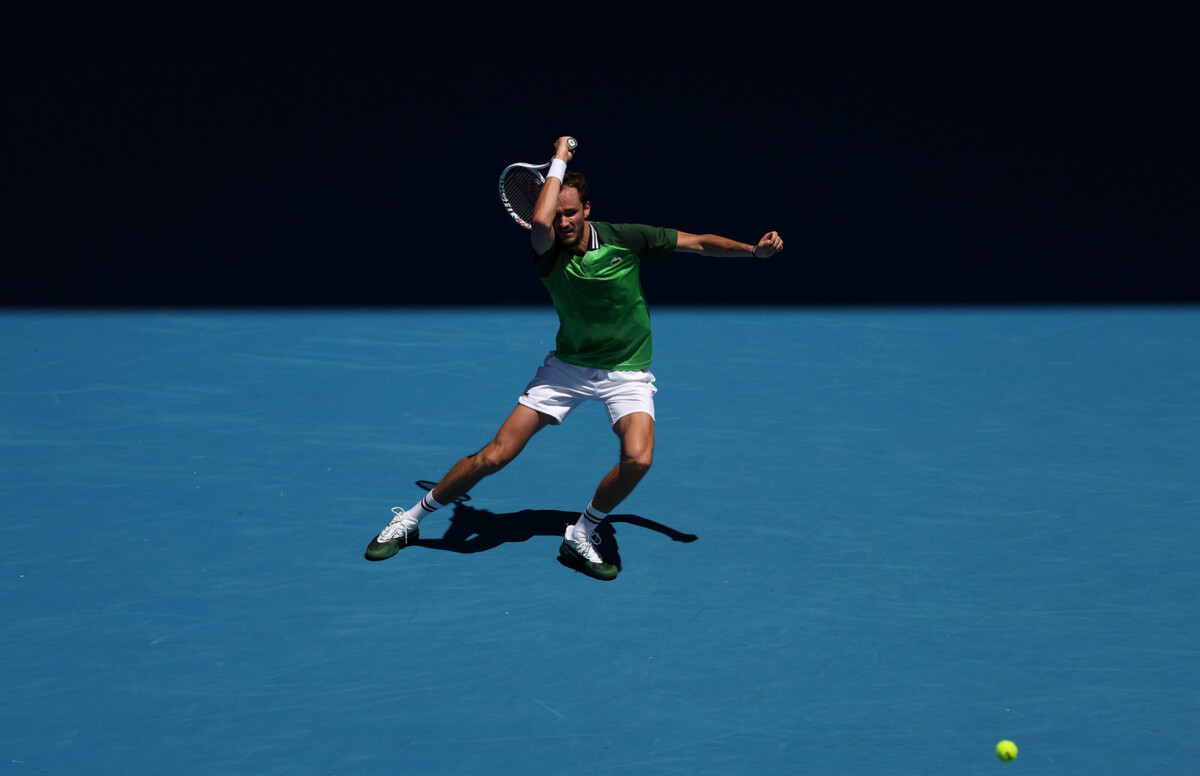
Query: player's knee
[[493, 458], [639, 462]]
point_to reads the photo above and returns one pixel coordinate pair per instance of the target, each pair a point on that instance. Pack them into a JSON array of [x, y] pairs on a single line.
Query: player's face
[[570, 221]]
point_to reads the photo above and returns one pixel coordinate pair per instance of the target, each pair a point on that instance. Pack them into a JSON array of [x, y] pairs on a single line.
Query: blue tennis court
[[874, 541]]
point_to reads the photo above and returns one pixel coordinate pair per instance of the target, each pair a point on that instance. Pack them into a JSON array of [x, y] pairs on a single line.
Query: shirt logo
[[615, 262]]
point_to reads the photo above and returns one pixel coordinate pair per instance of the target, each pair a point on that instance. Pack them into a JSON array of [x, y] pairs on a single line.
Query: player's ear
[[587, 209]]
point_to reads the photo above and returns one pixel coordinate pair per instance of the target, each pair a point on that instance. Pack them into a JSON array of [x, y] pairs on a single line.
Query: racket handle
[[572, 144]]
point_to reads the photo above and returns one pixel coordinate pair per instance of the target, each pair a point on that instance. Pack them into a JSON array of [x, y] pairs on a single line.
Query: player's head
[[570, 218], [575, 180]]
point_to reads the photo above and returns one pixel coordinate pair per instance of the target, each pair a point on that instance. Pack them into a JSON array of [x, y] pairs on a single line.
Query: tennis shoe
[[578, 551], [401, 532]]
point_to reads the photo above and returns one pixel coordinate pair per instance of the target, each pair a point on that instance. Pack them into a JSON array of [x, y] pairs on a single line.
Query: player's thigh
[[636, 432], [516, 431]]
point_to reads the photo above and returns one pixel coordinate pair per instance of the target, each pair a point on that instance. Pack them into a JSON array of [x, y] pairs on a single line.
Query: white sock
[[424, 508], [590, 520]]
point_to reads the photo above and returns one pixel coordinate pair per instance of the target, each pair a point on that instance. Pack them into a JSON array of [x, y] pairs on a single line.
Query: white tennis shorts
[[559, 387]]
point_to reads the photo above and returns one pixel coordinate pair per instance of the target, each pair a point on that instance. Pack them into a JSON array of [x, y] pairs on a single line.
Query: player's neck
[[581, 247]]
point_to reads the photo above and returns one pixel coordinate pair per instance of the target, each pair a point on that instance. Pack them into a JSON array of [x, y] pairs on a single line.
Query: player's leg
[[516, 431], [636, 432], [510, 440]]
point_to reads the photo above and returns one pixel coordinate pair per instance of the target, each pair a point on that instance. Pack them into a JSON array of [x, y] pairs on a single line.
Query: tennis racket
[[519, 187]]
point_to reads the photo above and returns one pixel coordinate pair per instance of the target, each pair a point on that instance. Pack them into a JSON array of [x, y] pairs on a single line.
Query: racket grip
[[572, 144]]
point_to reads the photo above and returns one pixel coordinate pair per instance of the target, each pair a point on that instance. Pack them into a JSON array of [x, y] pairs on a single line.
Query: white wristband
[[558, 168]]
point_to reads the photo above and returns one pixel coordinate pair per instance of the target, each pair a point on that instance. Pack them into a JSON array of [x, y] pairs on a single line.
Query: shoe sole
[[570, 557], [377, 550]]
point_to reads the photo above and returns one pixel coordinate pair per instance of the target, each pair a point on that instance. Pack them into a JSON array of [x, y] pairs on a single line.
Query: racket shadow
[[473, 530]]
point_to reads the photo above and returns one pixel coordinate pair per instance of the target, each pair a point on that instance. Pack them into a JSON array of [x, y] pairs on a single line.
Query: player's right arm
[[545, 211]]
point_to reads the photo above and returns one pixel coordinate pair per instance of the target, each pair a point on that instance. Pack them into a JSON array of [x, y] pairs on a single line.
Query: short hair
[[576, 181]]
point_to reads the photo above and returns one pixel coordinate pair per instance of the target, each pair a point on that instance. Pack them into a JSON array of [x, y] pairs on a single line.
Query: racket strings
[[520, 188]]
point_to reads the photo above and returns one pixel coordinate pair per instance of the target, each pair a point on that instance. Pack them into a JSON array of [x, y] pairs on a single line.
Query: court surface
[[874, 541]]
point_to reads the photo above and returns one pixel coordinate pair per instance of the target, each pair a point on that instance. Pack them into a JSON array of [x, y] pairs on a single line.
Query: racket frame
[[536, 170]]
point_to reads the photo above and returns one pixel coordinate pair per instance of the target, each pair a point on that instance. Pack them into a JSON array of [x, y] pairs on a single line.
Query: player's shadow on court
[[478, 530]]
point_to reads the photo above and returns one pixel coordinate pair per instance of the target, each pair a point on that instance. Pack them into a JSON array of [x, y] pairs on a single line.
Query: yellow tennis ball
[[1006, 751]]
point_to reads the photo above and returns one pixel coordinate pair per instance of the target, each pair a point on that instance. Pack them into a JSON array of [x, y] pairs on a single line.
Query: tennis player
[[602, 353]]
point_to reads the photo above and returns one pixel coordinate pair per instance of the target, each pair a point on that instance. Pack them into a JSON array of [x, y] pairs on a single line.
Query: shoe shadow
[[478, 530]]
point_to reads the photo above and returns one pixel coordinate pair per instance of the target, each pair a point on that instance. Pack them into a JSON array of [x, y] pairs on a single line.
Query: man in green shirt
[[602, 352]]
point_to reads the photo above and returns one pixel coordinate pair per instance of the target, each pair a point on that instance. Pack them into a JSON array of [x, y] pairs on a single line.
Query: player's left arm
[[715, 245]]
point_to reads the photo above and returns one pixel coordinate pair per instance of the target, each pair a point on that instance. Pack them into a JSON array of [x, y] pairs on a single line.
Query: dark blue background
[[1007, 153]]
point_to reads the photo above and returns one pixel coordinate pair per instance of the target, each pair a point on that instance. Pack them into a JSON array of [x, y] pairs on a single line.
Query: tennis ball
[[1006, 751]]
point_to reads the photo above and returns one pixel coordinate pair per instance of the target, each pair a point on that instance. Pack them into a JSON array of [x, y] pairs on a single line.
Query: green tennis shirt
[[603, 320]]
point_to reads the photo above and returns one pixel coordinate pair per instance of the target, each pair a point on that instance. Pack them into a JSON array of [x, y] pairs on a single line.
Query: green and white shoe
[[400, 533], [578, 551]]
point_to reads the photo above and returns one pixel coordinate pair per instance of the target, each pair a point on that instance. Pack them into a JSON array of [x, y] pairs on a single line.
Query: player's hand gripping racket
[[519, 187]]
